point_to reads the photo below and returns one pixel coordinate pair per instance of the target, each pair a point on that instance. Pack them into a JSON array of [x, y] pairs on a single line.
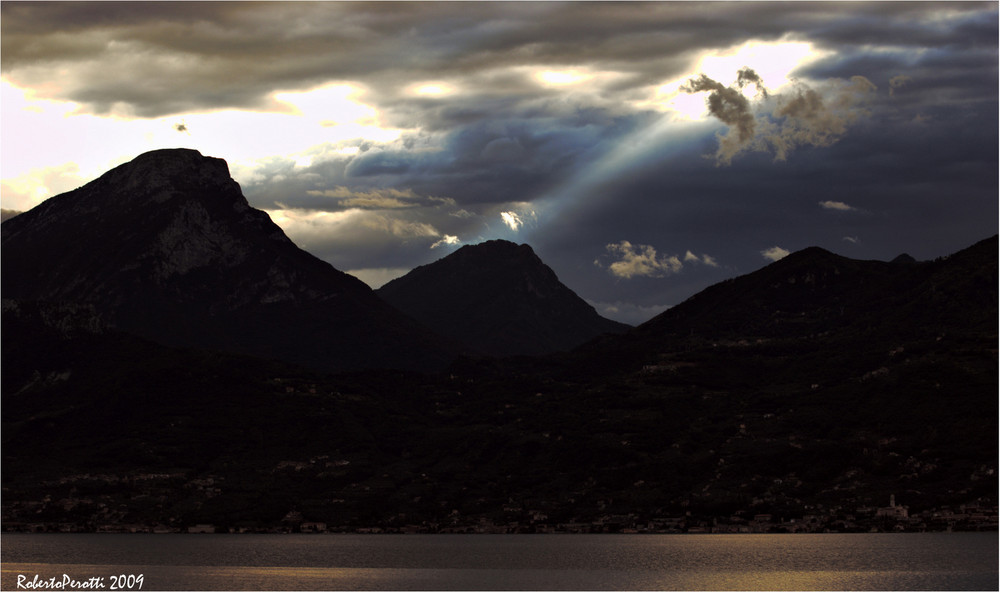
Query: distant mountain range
[[814, 291], [815, 298], [166, 356], [499, 298]]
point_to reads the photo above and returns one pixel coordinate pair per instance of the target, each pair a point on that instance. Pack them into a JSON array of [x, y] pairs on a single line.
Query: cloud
[[818, 117], [28, 190], [388, 198], [352, 239], [242, 53], [399, 228], [774, 253], [173, 58], [446, 240], [836, 205], [781, 122], [728, 103], [641, 261], [898, 82], [502, 149], [516, 220], [511, 219], [708, 260]]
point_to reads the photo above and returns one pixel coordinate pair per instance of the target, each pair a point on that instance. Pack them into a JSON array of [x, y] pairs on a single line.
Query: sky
[[644, 150]]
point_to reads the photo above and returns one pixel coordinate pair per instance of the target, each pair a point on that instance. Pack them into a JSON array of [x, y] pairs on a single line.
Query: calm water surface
[[945, 561]]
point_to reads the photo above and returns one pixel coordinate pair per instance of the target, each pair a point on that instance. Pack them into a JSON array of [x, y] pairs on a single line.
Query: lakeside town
[[115, 513]]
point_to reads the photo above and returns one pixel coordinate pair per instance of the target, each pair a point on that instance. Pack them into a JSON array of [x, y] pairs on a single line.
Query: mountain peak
[[140, 188], [500, 298], [159, 174], [166, 247], [165, 158], [497, 248]]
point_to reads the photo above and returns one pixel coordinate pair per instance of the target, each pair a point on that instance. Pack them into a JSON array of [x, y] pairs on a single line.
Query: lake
[[935, 561]]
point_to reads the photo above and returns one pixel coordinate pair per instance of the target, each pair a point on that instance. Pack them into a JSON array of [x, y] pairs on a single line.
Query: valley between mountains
[[173, 362]]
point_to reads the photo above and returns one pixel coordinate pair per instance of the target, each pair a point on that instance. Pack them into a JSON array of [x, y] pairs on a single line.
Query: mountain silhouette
[[815, 300], [810, 390], [500, 299], [813, 291], [167, 248]]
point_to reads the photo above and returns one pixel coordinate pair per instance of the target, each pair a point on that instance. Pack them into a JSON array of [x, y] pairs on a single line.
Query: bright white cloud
[[446, 240], [562, 77], [288, 216], [431, 89], [515, 215], [26, 191], [512, 220], [330, 104], [774, 253], [836, 205], [773, 61]]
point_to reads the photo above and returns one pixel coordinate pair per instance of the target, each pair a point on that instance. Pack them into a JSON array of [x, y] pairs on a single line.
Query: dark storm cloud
[[179, 56], [908, 25], [459, 188], [513, 158]]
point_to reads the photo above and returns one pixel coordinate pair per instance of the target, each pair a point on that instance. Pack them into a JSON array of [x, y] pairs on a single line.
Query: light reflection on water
[[539, 562]]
